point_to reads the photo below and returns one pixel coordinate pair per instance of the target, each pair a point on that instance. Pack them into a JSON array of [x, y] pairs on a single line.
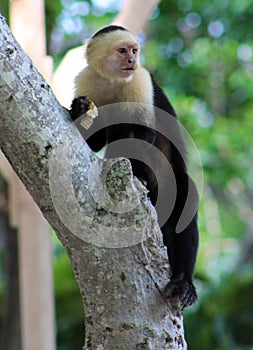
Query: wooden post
[[135, 14]]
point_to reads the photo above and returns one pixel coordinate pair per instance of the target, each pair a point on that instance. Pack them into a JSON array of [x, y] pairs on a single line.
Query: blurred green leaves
[[201, 53]]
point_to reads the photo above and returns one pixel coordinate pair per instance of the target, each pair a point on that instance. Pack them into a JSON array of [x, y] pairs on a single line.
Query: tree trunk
[[118, 257]]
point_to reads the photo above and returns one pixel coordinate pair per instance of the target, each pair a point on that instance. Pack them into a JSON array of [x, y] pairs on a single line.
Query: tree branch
[[118, 257]]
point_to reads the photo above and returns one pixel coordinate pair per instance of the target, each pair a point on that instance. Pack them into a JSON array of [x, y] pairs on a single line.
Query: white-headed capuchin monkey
[[114, 74]]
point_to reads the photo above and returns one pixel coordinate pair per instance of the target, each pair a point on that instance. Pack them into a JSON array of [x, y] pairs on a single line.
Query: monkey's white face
[[122, 62], [114, 56]]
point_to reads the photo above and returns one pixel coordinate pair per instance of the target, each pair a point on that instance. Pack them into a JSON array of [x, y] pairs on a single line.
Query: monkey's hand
[[84, 109], [181, 289]]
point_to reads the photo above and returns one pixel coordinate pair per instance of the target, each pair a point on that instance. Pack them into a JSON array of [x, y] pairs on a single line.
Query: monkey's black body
[[182, 247]]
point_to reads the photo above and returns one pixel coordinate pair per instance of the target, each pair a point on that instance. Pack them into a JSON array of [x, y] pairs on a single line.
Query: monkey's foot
[[183, 290], [84, 109]]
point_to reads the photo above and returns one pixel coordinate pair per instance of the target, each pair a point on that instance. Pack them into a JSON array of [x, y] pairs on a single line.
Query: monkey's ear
[[85, 45]]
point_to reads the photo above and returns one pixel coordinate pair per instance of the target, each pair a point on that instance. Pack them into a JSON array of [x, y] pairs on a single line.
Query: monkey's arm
[[95, 139]]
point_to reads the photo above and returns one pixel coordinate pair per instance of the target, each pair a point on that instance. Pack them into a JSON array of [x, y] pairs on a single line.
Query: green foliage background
[[201, 53]]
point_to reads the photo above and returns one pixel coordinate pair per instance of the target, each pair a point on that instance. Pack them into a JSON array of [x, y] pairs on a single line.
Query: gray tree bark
[[117, 256]]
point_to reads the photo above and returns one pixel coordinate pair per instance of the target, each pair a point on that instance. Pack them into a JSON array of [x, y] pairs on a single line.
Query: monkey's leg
[[182, 246]]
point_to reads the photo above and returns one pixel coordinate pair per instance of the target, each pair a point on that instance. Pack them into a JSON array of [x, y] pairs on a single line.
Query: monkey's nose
[[130, 60]]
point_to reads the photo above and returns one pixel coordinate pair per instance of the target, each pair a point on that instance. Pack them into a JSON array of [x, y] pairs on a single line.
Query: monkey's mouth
[[129, 69], [127, 72]]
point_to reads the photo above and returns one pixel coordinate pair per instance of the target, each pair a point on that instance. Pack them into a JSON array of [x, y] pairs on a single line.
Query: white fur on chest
[[103, 92]]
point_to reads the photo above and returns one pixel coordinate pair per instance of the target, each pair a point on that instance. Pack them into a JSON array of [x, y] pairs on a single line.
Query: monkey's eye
[[122, 50], [135, 51]]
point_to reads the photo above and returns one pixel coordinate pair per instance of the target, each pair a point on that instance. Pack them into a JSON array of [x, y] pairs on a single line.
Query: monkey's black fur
[[182, 247], [108, 29]]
